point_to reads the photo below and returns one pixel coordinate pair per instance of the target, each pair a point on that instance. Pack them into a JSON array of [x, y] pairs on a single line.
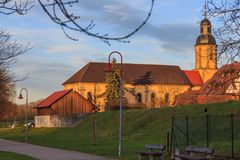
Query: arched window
[[209, 29], [153, 99], [139, 97], [167, 98], [89, 96]]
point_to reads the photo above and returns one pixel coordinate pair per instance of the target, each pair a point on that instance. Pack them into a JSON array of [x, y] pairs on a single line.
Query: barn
[[61, 109]]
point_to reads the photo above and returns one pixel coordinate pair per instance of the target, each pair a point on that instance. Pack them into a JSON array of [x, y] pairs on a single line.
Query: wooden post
[[207, 131], [167, 142], [187, 130], [172, 130], [232, 135]]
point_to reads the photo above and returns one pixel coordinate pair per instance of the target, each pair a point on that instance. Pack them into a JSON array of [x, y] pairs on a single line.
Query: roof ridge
[[66, 92], [138, 64]]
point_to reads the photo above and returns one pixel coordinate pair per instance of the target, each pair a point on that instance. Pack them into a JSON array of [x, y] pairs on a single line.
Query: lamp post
[[108, 68], [21, 97]]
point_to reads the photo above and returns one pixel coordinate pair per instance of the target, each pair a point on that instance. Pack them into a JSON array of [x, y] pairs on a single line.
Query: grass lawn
[[13, 156], [140, 127]]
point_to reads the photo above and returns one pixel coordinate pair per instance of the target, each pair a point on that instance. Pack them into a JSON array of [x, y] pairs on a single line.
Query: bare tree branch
[[21, 7], [60, 13], [227, 13], [9, 51]]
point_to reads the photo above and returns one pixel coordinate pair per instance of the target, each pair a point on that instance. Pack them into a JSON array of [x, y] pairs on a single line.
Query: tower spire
[[205, 9]]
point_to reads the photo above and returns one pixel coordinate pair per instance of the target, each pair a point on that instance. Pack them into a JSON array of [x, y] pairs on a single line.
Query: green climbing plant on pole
[[113, 86]]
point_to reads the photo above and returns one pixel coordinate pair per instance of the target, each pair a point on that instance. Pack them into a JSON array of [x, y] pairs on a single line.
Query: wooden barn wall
[[44, 111], [72, 103]]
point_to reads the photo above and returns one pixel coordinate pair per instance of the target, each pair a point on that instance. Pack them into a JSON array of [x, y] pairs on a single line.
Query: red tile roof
[[52, 98], [220, 82], [194, 77], [93, 72]]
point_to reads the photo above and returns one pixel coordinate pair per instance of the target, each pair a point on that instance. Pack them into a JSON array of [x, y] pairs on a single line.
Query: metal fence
[[221, 133], [5, 124]]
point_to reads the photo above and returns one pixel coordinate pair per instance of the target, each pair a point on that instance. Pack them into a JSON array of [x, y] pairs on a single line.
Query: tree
[[113, 86], [65, 15], [227, 13], [9, 51], [5, 85]]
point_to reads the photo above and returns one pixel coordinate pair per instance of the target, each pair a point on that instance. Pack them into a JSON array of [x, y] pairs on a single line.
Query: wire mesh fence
[[5, 124], [221, 133]]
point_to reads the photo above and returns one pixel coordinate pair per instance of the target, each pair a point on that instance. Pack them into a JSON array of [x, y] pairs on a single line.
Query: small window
[[153, 101], [167, 98], [209, 29], [201, 29], [153, 96], [139, 97], [89, 96]]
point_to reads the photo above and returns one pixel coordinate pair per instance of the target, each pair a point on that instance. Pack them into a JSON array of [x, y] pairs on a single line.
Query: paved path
[[45, 153]]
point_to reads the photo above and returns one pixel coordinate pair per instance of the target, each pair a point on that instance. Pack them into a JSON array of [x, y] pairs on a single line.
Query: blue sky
[[168, 38]]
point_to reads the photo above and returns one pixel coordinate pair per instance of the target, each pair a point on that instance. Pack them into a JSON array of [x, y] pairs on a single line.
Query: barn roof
[[194, 77], [93, 72], [52, 98]]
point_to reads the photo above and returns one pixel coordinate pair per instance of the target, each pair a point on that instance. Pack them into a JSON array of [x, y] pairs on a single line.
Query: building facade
[[148, 85]]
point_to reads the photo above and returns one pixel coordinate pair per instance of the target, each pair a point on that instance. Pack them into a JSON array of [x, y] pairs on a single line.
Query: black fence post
[[187, 130], [210, 128], [232, 135], [167, 142], [207, 130]]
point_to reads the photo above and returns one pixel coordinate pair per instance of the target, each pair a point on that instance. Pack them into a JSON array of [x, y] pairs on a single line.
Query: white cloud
[[117, 10], [63, 49]]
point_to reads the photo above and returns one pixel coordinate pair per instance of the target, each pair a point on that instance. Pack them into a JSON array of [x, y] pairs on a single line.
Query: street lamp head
[[108, 67], [20, 96]]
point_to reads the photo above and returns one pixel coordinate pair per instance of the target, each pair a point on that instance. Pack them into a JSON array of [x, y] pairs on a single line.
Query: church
[[150, 85]]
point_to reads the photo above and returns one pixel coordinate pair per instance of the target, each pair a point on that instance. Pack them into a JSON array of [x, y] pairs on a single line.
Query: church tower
[[205, 50]]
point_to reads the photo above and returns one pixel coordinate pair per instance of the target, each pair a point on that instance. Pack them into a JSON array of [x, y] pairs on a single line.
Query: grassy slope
[[140, 127], [13, 156]]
